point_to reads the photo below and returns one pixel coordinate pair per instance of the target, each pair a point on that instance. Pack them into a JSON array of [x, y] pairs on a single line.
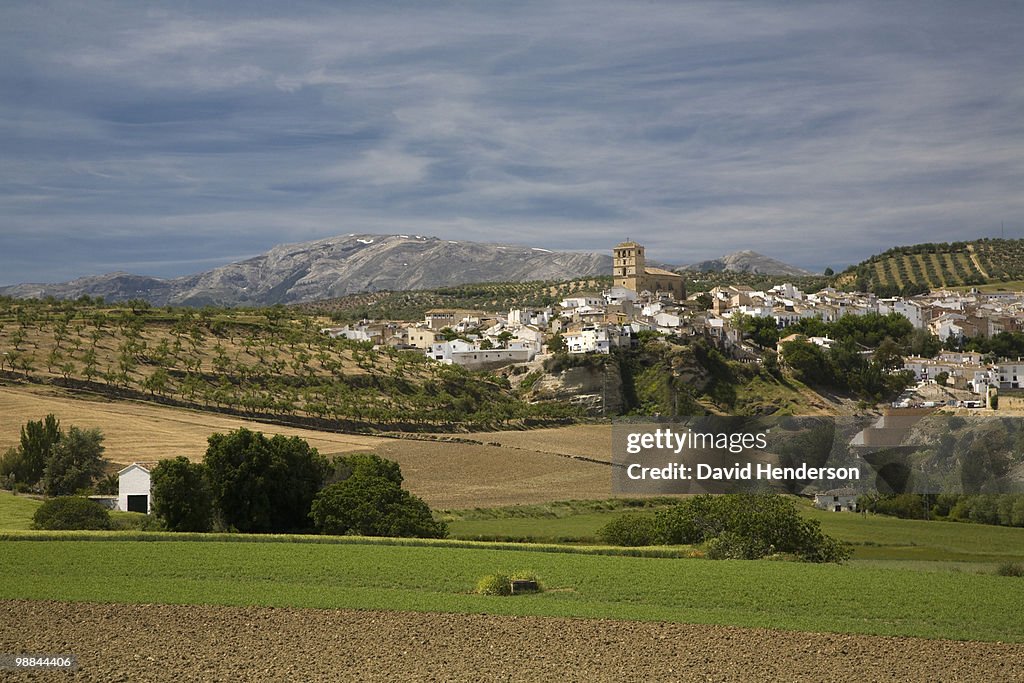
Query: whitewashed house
[[134, 490], [583, 301], [836, 500]]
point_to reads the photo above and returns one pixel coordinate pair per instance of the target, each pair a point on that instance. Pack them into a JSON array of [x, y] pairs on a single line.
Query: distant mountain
[[747, 262], [334, 267]]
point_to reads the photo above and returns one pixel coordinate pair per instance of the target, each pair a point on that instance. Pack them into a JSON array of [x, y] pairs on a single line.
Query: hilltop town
[[646, 299]]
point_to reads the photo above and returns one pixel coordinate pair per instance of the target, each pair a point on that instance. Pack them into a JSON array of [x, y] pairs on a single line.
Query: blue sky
[[165, 139]]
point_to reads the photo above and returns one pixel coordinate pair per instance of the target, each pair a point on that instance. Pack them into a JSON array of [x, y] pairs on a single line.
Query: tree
[[373, 506], [27, 462], [76, 460], [808, 362], [366, 465], [887, 355], [182, 496], [157, 382], [261, 484]]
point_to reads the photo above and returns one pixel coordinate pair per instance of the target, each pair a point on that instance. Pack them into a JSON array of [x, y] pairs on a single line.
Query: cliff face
[[598, 390], [336, 266]]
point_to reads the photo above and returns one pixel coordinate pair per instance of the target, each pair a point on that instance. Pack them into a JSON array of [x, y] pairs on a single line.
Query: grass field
[[762, 594], [16, 511], [933, 545], [873, 537]]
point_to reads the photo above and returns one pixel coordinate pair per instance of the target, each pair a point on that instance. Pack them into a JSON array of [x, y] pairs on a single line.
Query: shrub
[[136, 521], [751, 526], [494, 584], [70, 513], [1010, 569], [630, 530]]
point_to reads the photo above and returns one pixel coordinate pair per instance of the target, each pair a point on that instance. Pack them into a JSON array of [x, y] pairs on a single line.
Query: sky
[[168, 138]]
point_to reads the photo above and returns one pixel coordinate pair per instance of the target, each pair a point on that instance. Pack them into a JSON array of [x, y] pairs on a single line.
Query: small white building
[[836, 500], [134, 490]]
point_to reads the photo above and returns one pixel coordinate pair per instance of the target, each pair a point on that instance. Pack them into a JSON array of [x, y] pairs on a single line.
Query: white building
[[134, 490], [910, 310], [529, 316], [947, 325], [1011, 375], [598, 339], [836, 500], [583, 301], [467, 355]]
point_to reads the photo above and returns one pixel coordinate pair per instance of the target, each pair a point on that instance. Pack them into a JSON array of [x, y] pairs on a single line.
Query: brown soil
[[182, 643]]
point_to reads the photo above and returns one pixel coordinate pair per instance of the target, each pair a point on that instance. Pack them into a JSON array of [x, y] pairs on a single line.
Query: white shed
[[134, 490]]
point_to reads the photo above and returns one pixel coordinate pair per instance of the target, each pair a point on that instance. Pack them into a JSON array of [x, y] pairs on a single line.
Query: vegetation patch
[[1010, 569], [70, 512]]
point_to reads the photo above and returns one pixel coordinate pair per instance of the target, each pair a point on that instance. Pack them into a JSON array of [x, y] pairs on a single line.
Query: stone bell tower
[[628, 265]]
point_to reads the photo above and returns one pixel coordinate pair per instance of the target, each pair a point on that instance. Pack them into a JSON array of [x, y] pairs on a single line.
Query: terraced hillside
[[918, 268], [268, 362]]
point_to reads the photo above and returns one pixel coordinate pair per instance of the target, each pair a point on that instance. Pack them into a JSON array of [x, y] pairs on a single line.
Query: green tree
[[26, 463], [373, 506], [887, 355], [261, 484], [366, 465], [157, 382], [808, 362], [76, 460], [182, 496]]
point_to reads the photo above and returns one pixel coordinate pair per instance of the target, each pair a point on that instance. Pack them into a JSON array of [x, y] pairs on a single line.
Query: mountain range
[[347, 264]]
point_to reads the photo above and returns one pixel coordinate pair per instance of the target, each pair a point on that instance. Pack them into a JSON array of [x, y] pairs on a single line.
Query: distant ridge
[[334, 267], [747, 262]]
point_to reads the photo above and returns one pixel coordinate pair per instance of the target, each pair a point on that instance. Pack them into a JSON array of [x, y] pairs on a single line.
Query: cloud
[[170, 137]]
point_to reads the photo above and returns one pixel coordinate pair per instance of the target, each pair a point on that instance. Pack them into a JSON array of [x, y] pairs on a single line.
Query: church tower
[[628, 265]]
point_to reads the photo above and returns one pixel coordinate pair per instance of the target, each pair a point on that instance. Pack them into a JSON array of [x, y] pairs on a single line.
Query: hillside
[[271, 363], [918, 268], [334, 267]]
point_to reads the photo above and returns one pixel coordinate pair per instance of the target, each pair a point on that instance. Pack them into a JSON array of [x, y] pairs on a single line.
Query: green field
[[782, 595], [874, 537], [16, 511]]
